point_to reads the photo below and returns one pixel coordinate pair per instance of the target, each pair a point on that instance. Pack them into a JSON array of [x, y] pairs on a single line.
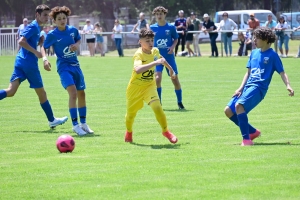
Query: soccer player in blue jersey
[[263, 62], [165, 40], [65, 40], [26, 65]]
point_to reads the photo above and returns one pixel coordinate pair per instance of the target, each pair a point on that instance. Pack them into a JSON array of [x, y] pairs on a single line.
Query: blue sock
[[73, 114], [3, 94], [179, 95], [82, 114], [159, 93], [235, 120], [244, 126], [48, 110]]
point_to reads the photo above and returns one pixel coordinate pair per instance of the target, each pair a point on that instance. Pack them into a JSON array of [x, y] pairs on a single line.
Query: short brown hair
[[57, 10], [146, 33], [160, 9], [40, 8], [265, 34]]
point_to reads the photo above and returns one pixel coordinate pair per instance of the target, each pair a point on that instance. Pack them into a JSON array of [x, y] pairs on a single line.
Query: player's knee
[[73, 95], [239, 108], [228, 112], [130, 116]]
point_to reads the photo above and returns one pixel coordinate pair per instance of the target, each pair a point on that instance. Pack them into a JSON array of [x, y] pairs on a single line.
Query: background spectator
[[99, 38], [21, 29], [244, 40], [270, 23], [197, 27], [225, 25], [209, 27], [141, 23], [283, 36], [118, 28], [189, 36], [180, 25], [90, 38], [253, 24]]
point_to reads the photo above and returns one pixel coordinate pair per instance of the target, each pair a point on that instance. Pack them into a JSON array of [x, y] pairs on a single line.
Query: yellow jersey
[[140, 58]]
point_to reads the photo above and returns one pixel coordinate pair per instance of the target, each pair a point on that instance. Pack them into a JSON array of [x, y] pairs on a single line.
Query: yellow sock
[[129, 121], [160, 115]]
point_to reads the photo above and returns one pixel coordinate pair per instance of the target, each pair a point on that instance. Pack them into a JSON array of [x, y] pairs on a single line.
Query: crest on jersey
[[72, 35], [155, 58], [167, 32], [266, 60]]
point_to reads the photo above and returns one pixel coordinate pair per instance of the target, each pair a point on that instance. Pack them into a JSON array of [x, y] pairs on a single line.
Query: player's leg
[[176, 83], [230, 112], [11, 90], [250, 98], [81, 104], [158, 79], [151, 98], [35, 82], [195, 43], [134, 102]]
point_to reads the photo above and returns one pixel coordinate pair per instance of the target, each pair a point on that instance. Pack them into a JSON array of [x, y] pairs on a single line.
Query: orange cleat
[[172, 138], [255, 135], [247, 143], [128, 136]]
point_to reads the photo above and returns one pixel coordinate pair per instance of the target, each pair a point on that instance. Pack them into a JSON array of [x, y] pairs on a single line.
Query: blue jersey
[[263, 65], [164, 37], [24, 57], [61, 41]]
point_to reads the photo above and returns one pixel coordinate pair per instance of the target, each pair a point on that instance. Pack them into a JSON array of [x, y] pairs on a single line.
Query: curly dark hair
[[160, 9], [57, 10], [40, 8], [146, 33], [265, 33]]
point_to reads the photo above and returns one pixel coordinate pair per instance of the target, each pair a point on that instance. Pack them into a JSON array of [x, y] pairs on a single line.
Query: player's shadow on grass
[[86, 136], [275, 143], [177, 110], [158, 146], [45, 131]]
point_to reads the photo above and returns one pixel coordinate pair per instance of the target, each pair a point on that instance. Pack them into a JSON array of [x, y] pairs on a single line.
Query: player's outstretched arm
[[239, 91], [286, 81], [142, 68], [47, 65]]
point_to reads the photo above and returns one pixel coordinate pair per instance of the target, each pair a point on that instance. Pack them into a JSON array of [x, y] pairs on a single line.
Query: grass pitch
[[206, 163]]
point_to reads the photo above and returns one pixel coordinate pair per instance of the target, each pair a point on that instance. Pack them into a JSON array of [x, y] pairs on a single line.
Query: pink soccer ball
[[65, 143]]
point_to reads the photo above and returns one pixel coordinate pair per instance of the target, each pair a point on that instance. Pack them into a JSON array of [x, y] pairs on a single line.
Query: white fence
[[9, 43]]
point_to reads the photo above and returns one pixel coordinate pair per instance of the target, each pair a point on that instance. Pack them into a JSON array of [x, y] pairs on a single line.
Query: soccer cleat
[[78, 130], [247, 143], [128, 136], [180, 106], [57, 121], [86, 128], [255, 135], [172, 138]]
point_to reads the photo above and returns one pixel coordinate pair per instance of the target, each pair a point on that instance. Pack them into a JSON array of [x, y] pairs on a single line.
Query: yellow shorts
[[137, 95]]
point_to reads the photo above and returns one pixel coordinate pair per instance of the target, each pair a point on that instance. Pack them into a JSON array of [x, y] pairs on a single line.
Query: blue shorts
[[72, 76], [99, 39], [171, 61], [32, 74], [250, 98]]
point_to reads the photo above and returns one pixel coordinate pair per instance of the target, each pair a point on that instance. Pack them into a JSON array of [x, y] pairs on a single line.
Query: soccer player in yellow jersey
[[142, 86]]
